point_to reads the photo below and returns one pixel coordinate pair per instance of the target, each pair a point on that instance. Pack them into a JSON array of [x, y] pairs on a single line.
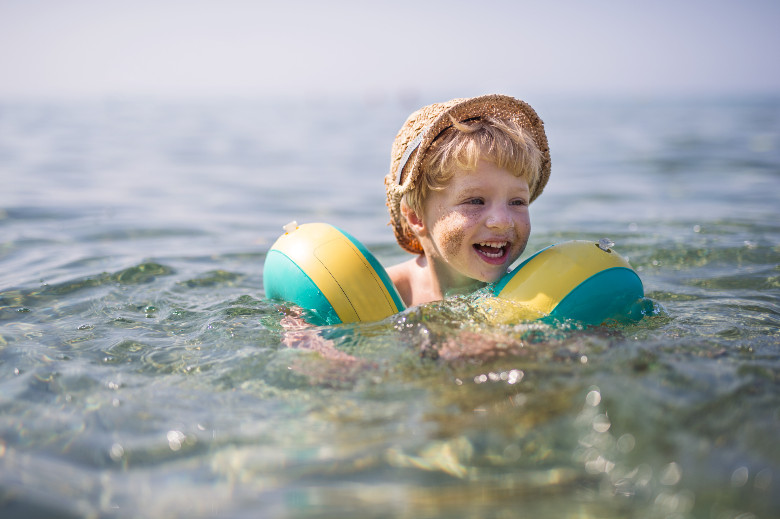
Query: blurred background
[[182, 48]]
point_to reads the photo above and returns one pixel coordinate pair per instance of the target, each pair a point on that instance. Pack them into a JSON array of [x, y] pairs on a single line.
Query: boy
[[461, 178]]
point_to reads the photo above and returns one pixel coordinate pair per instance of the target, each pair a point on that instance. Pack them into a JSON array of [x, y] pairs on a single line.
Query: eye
[[475, 201], [518, 201]]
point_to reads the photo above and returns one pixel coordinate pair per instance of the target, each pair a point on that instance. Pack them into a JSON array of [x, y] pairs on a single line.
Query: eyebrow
[[467, 191], [476, 188]]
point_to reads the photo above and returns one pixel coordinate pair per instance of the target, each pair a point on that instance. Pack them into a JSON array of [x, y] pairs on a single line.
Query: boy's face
[[476, 226]]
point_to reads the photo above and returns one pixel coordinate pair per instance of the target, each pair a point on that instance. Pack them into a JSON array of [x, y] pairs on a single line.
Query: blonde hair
[[462, 145]]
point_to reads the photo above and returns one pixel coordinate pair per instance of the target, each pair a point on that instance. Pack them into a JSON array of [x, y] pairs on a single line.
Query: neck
[[445, 283]]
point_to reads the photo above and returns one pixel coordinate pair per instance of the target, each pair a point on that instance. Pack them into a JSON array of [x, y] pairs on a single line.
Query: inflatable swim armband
[[580, 280], [329, 273]]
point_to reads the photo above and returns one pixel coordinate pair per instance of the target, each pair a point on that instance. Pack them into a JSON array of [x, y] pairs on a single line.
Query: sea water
[[144, 374]]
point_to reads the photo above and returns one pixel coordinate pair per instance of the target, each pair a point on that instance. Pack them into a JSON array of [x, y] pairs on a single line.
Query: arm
[[331, 367]]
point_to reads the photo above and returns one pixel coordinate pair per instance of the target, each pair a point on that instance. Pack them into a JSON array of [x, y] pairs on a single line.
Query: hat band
[[408, 153]]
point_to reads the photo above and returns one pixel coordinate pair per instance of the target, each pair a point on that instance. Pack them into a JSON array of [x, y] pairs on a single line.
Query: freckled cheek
[[523, 231], [523, 225], [451, 231]]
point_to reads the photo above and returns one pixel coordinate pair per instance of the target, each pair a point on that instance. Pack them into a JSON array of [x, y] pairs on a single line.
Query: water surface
[[144, 374]]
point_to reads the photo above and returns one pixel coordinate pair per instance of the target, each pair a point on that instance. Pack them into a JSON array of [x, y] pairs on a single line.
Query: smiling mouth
[[492, 250]]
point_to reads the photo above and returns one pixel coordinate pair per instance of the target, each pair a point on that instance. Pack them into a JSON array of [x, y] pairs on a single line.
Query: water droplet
[[514, 376], [601, 423], [626, 443], [598, 465], [739, 477], [763, 479], [116, 452], [175, 440], [671, 474], [593, 398]]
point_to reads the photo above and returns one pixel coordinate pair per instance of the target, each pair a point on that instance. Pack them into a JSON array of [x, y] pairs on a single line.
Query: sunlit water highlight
[[142, 372]]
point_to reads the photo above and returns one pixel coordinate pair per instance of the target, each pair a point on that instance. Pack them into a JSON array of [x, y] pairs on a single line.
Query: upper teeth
[[497, 245]]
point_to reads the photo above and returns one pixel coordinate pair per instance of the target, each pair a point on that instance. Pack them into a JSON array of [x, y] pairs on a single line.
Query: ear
[[416, 223]]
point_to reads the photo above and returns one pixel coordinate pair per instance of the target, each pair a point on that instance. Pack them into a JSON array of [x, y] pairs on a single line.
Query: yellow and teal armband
[[580, 280], [329, 273]]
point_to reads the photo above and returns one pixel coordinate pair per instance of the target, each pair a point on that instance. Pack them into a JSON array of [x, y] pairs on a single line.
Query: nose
[[499, 217]]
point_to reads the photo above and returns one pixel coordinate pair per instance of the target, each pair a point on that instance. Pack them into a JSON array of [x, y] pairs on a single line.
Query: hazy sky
[[227, 47]]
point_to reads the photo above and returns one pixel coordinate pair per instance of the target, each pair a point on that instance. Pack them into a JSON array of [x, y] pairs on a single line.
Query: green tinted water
[[142, 372]]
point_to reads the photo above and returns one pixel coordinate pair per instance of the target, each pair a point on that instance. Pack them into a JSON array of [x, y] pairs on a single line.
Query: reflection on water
[[142, 372]]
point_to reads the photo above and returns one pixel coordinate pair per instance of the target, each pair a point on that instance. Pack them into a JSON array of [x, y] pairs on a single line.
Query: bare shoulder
[[401, 276], [413, 281]]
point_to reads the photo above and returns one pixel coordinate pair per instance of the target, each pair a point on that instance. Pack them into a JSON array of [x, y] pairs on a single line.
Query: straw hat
[[422, 128]]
